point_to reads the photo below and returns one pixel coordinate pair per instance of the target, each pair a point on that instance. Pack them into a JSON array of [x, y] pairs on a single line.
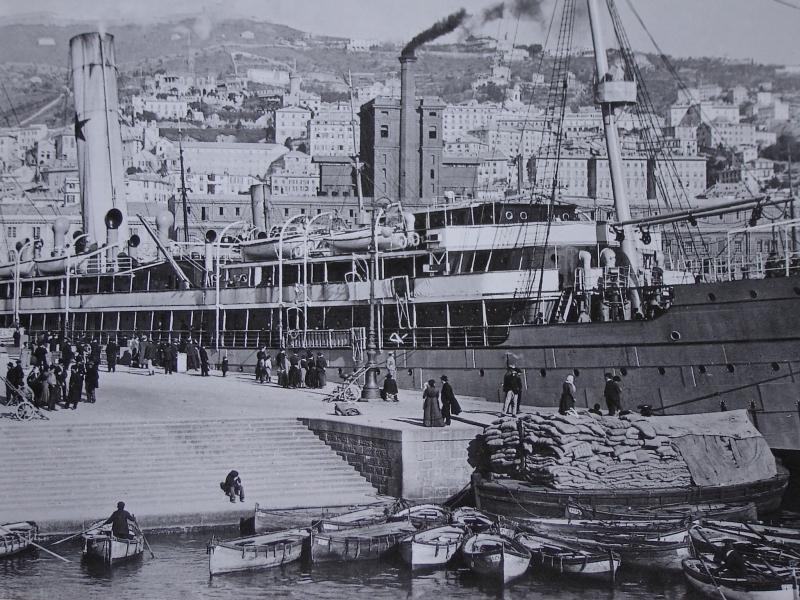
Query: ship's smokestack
[[208, 259], [97, 133], [113, 221], [257, 200], [409, 134], [164, 222]]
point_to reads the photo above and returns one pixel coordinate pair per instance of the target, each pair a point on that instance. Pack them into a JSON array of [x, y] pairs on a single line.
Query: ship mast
[[611, 94], [183, 187]]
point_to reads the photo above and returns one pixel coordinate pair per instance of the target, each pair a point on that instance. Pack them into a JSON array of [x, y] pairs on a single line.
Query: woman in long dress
[[432, 414], [567, 401]]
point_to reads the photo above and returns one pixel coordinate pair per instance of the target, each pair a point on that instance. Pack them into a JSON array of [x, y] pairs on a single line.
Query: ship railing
[[445, 337]]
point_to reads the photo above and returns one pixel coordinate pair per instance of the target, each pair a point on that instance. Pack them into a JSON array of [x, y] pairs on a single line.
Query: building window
[[37, 233], [431, 114], [383, 158], [432, 133], [302, 211], [384, 131], [285, 212], [433, 174], [12, 232], [204, 214], [238, 211]]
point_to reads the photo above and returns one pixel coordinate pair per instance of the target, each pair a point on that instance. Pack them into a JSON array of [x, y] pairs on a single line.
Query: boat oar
[[146, 543], [74, 535], [32, 543], [714, 581], [788, 549]]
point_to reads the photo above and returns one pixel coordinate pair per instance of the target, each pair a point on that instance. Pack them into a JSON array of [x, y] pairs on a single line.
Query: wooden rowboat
[[16, 537], [562, 557], [423, 515], [741, 511], [372, 515], [707, 532], [496, 556], [710, 580], [256, 552], [618, 531], [100, 544], [432, 547], [472, 518], [358, 543]]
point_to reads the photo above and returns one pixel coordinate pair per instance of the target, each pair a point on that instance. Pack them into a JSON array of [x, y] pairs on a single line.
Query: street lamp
[[306, 229], [216, 275], [371, 390], [66, 294], [280, 276], [18, 250]]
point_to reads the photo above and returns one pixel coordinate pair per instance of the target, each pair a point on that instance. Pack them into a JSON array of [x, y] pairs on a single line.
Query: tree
[[780, 150]]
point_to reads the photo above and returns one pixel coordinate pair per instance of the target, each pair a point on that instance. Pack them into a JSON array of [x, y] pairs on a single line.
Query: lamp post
[[306, 229], [66, 293], [216, 278], [371, 390], [280, 276], [17, 255]]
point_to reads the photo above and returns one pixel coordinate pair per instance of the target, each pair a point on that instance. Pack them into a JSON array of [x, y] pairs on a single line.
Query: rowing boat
[[619, 531], [472, 518], [713, 582], [100, 544], [16, 537], [741, 511], [358, 543], [373, 515], [707, 532], [422, 515], [256, 552], [496, 556], [563, 557], [432, 547]]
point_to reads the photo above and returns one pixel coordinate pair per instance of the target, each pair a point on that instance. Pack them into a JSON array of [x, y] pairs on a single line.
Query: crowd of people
[[304, 370]]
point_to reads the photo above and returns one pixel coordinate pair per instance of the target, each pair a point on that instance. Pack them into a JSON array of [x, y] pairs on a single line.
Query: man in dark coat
[[78, 372], [41, 356], [168, 359], [450, 405], [322, 365], [67, 355], [612, 393], [112, 351], [512, 388], [232, 486], [92, 380], [389, 391], [203, 361], [119, 522]]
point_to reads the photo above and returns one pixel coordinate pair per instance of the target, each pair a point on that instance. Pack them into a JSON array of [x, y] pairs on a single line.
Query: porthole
[[702, 369], [482, 372], [509, 215], [730, 368], [775, 366], [410, 372], [565, 217], [576, 373], [543, 372], [623, 371], [675, 335], [523, 216], [753, 294], [661, 370], [712, 296]]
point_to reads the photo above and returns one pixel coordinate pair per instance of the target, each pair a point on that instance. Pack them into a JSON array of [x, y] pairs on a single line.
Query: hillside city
[[273, 105]]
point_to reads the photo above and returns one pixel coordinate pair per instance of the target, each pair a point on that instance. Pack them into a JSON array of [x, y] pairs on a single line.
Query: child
[[224, 366]]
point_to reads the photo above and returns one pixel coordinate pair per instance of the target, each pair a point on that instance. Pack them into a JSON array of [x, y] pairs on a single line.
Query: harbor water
[[180, 570]]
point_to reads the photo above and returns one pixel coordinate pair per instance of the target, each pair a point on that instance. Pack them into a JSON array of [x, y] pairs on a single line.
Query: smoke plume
[[524, 9], [443, 27]]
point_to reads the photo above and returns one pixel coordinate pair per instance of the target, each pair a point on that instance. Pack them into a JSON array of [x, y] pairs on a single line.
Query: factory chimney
[[409, 130]]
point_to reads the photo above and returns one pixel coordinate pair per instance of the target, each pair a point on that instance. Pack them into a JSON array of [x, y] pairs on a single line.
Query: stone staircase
[[168, 472]]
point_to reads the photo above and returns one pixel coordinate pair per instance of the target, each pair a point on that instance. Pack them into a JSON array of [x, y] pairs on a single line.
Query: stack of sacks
[[584, 451]]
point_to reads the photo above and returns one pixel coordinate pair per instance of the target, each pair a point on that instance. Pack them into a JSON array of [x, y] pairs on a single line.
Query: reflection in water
[[180, 570]]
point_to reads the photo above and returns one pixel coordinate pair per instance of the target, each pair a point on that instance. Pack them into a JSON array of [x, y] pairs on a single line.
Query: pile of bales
[[584, 451]]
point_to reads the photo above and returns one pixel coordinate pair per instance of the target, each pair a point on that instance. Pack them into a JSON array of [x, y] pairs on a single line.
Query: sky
[[763, 30]]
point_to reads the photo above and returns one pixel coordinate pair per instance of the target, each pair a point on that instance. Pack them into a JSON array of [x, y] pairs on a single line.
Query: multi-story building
[[271, 77], [291, 122], [333, 132], [725, 133], [294, 174], [702, 112], [66, 148], [297, 97], [167, 108], [390, 89], [754, 175], [212, 183], [635, 173], [148, 187], [230, 158], [465, 145], [458, 119]]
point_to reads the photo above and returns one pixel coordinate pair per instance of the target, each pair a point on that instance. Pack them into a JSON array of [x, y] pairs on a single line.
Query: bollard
[[722, 406]]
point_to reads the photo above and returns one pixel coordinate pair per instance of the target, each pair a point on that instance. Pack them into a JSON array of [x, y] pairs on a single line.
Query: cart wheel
[[352, 393], [25, 411]]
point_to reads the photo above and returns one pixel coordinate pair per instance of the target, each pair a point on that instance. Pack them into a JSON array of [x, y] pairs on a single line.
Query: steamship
[[458, 288]]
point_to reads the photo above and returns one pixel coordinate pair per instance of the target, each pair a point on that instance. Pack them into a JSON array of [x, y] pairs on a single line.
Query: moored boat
[[709, 532], [710, 580], [626, 531], [359, 240], [496, 556], [737, 511], [431, 547], [26, 269], [256, 552], [472, 518], [16, 537], [359, 543], [422, 515], [100, 544], [372, 515], [563, 557]]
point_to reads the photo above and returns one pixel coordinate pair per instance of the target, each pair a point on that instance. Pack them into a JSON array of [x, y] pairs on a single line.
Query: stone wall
[[421, 464]]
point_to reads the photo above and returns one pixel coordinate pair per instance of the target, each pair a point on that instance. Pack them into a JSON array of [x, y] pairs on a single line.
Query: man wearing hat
[[15, 377], [389, 391], [512, 388], [612, 394], [450, 405], [391, 365], [119, 522]]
